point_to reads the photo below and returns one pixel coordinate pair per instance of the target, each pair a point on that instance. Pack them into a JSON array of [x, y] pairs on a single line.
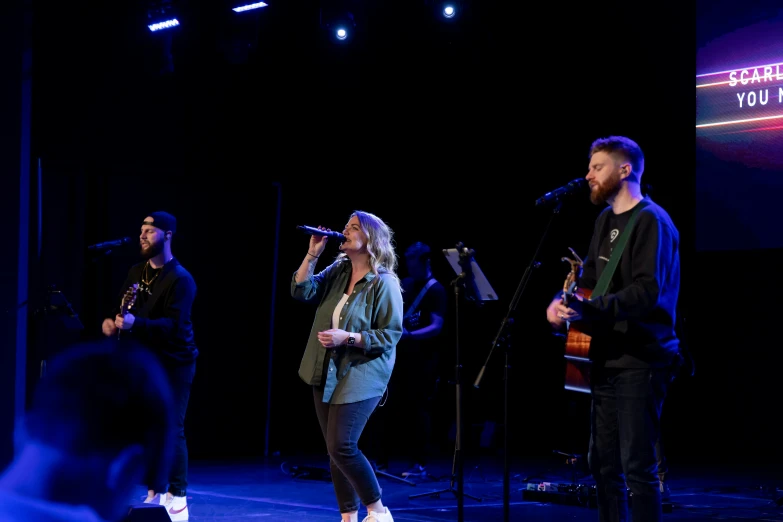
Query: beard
[[151, 251], [603, 192]]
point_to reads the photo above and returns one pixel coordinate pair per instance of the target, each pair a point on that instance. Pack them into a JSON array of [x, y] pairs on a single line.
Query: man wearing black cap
[[154, 309]]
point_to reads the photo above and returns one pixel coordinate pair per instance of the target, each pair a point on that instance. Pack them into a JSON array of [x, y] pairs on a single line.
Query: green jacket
[[374, 310]]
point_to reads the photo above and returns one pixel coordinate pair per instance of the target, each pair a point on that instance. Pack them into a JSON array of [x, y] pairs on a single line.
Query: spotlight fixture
[[161, 15], [341, 25], [446, 10]]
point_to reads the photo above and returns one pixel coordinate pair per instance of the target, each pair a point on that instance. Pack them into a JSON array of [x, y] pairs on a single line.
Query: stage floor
[[296, 489]]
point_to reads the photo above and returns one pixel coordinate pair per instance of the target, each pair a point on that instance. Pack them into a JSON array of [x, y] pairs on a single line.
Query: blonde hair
[[380, 244]]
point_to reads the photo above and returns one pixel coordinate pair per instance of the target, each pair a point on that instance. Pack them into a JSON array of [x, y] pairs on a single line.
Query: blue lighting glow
[[167, 24], [449, 11], [249, 7]]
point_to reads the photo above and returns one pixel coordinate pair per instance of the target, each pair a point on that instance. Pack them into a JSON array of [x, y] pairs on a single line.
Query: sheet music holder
[[57, 325], [57, 305], [482, 290]]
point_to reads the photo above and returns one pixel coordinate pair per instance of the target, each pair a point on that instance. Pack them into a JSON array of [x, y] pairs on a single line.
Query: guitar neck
[[127, 302], [568, 291]]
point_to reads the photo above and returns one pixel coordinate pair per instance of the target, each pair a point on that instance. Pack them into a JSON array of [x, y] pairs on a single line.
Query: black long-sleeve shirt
[[633, 324], [163, 317]]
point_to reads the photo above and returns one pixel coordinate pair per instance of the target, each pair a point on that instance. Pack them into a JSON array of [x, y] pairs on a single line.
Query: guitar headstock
[[572, 279], [129, 299]]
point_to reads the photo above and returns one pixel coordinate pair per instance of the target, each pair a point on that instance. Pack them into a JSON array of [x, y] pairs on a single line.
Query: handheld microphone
[[317, 232], [576, 186], [110, 244]]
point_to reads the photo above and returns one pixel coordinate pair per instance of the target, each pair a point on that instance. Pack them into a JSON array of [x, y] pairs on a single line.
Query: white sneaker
[[177, 508], [375, 516]]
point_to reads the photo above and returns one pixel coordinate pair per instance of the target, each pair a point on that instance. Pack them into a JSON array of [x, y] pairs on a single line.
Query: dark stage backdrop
[[449, 137]]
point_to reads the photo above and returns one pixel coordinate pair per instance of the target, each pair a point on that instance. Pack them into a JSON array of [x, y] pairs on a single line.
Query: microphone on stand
[[110, 244], [574, 187], [317, 232]]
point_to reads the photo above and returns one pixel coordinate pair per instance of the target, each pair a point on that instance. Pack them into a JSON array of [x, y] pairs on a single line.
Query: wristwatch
[[351, 339]]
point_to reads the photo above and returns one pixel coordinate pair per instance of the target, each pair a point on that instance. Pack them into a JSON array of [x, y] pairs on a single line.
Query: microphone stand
[[499, 337], [464, 278]]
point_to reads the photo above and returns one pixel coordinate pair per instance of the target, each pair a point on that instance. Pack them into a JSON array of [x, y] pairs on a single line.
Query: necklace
[[146, 281], [144, 277]]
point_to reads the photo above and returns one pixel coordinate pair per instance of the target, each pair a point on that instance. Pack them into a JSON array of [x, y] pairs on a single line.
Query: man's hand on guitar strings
[[108, 327], [553, 314], [572, 311]]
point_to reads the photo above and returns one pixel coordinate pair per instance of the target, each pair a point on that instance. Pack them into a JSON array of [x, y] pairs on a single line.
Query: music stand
[[63, 327], [478, 288]]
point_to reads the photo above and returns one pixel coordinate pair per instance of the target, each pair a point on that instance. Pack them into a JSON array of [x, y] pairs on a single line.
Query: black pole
[[502, 337], [506, 465], [458, 386], [271, 345]]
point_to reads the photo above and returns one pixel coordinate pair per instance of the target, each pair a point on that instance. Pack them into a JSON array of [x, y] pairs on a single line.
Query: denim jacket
[[374, 310]]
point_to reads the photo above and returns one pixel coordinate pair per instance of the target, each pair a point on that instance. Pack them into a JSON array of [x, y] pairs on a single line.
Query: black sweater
[[633, 324], [162, 318]]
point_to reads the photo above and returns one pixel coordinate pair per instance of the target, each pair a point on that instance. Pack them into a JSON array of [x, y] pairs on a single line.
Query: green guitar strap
[[606, 276]]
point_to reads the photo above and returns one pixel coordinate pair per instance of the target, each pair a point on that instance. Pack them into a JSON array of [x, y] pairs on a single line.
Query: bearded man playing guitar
[[629, 315], [155, 311]]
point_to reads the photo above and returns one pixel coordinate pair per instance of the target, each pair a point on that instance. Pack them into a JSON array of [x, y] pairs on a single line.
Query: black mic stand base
[[379, 473], [451, 489]]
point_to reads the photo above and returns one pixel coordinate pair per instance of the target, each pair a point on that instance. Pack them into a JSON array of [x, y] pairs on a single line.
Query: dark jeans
[[181, 379], [625, 427], [353, 477]]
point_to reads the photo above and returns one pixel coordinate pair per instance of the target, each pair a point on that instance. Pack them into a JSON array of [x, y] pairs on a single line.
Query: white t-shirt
[[338, 309]]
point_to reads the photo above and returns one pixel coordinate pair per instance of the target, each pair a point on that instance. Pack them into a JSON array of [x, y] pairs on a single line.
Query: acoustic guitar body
[[577, 349]]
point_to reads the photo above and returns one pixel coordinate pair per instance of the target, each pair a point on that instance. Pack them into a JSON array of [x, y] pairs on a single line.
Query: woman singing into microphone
[[351, 350]]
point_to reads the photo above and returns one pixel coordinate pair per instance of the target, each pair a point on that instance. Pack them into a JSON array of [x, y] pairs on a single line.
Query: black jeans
[[181, 379], [353, 477], [625, 427]]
